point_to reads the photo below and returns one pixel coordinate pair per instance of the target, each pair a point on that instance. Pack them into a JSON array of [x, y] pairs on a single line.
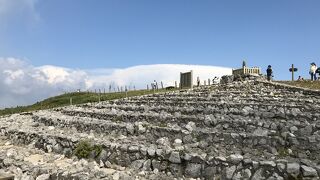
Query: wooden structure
[[246, 70]]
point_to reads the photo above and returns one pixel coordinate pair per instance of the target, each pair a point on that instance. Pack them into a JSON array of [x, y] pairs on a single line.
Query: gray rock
[[124, 176], [306, 131], [210, 172], [57, 148], [175, 157], [141, 129], [293, 129], [275, 176], [67, 152], [43, 177], [235, 158], [116, 176], [191, 126], [137, 164], [156, 164], [130, 128], [151, 151], [175, 169], [293, 169], [308, 171], [258, 174], [281, 167], [220, 158], [164, 141], [268, 163], [178, 141], [260, 132], [193, 170], [147, 165], [229, 171], [246, 174]]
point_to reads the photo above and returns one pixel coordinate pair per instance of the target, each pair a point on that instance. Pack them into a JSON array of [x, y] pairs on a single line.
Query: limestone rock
[[193, 170], [175, 157], [308, 171]]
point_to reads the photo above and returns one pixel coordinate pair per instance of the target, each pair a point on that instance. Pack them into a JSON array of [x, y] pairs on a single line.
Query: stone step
[[26, 162], [237, 138], [193, 164], [182, 115], [209, 123], [188, 109]]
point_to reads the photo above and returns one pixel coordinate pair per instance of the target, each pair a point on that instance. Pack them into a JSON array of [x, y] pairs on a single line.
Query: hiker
[[198, 81], [318, 71], [299, 78], [269, 73], [312, 71]]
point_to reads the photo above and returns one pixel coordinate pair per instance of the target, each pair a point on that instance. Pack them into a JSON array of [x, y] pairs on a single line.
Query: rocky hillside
[[249, 129]]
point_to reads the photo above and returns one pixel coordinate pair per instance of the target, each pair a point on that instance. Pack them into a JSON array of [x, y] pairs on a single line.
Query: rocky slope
[[248, 129]]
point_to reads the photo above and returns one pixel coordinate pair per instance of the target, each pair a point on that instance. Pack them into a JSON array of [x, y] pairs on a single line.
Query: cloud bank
[[22, 83]]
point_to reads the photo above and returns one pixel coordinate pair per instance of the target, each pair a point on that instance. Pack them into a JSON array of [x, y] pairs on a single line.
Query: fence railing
[[246, 70]]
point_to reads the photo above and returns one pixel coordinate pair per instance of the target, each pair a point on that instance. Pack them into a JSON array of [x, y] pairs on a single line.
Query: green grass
[[84, 148], [77, 98], [305, 84]]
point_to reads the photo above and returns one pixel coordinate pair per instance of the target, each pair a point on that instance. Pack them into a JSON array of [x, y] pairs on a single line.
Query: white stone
[[191, 126], [308, 171], [43, 177], [178, 141], [235, 158]]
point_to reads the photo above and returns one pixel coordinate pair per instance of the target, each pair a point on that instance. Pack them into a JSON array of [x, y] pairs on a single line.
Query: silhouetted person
[[269, 73], [198, 81]]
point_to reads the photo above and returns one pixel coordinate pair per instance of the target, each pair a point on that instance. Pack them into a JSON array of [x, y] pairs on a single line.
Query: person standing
[[198, 81], [312, 71], [269, 73]]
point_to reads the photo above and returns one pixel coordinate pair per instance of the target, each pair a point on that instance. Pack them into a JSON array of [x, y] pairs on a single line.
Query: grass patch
[[84, 149], [77, 98], [304, 84], [283, 152]]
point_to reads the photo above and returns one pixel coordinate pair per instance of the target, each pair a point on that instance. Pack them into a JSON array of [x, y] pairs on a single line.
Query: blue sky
[[88, 34]]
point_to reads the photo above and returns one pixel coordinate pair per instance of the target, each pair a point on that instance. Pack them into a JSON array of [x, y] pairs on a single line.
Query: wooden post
[[161, 85], [71, 101], [292, 72]]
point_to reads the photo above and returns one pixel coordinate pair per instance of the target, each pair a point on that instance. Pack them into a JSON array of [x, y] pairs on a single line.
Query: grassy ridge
[[77, 98], [84, 97], [305, 84]]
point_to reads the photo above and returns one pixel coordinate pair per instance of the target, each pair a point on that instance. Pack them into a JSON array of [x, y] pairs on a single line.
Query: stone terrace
[[240, 130]]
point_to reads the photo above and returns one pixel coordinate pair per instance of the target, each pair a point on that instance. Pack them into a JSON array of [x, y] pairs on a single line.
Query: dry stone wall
[[246, 129]]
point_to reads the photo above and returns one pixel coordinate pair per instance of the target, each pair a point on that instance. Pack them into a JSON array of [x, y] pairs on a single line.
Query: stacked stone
[[236, 130]]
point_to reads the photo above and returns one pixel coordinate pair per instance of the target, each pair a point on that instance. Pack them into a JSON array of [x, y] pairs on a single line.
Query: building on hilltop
[[246, 70]]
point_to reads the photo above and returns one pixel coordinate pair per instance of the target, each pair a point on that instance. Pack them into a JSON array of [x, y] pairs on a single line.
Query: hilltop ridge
[[250, 129]]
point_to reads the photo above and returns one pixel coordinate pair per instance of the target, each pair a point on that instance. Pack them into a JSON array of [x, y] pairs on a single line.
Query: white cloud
[[21, 83]]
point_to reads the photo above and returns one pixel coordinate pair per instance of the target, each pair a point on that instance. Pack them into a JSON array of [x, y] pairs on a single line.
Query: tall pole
[[292, 68]]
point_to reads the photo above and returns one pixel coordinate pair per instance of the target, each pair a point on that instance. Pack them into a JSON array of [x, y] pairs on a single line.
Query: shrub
[[84, 149]]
